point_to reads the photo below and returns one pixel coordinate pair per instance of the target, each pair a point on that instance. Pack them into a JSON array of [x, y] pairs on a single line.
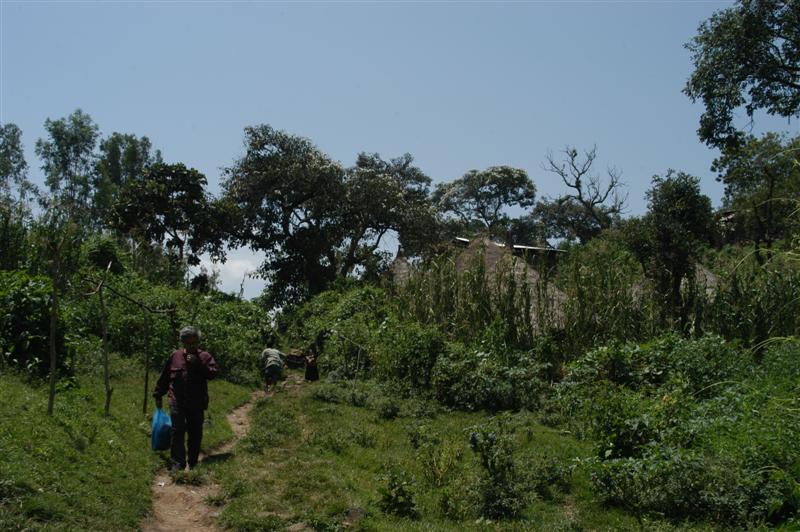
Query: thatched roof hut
[[499, 260]]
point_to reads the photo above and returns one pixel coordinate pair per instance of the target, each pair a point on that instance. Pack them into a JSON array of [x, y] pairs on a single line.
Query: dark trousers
[[186, 421]]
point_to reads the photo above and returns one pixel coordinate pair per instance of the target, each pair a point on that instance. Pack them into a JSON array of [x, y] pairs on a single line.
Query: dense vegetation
[[645, 371]]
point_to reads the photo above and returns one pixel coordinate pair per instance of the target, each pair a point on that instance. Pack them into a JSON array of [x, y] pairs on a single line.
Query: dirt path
[[180, 507]]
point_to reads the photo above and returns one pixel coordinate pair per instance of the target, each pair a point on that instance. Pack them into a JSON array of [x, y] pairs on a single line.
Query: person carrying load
[[272, 362], [184, 380]]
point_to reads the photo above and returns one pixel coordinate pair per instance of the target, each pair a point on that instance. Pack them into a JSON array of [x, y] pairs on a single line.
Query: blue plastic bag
[[161, 435]]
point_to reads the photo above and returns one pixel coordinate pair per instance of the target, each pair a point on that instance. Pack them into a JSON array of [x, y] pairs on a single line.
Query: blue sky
[[459, 85]]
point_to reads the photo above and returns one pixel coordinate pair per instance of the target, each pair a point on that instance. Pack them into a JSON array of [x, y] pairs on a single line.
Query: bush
[[344, 322], [407, 352], [471, 379], [548, 478], [25, 323], [501, 486], [397, 495], [692, 428], [387, 407]]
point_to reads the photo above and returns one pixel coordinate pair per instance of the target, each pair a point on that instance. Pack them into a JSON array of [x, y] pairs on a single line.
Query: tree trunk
[[146, 361], [53, 327], [104, 325]]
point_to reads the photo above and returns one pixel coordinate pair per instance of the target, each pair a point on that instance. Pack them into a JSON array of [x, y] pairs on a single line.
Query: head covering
[[190, 331]]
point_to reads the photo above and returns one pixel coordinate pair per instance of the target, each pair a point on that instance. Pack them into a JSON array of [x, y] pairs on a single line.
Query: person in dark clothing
[[185, 381], [312, 371], [311, 354]]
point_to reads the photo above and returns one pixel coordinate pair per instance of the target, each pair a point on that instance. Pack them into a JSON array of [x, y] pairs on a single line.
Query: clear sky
[[459, 85]]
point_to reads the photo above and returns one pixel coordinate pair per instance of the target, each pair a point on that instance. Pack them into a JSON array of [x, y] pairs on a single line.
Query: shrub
[[472, 379], [502, 490], [407, 352], [696, 431], [25, 323], [548, 478], [387, 408], [397, 495]]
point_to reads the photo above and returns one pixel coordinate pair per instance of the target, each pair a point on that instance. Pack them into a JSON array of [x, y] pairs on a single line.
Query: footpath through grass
[[332, 457], [79, 470]]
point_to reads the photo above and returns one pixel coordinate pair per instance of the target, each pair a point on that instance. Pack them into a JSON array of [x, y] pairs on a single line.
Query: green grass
[[311, 460], [77, 469]]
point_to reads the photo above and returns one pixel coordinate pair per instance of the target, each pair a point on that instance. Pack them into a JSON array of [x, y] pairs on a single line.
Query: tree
[[746, 56], [480, 198], [762, 183], [68, 159], [169, 206], [668, 240], [381, 197], [592, 203], [287, 197], [316, 220], [123, 159], [57, 235], [13, 211], [13, 168]]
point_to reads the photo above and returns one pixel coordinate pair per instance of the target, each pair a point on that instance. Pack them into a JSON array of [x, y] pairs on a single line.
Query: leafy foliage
[[397, 496], [169, 204], [761, 179], [746, 56], [669, 238], [501, 488], [25, 322], [479, 199], [690, 428]]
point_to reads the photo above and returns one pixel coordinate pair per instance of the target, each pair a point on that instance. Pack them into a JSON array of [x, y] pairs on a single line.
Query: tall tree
[[746, 56], [14, 211], [123, 158], [57, 234], [13, 168], [669, 238], [169, 206], [381, 197], [480, 198], [316, 220], [592, 202], [762, 183], [68, 159], [287, 195]]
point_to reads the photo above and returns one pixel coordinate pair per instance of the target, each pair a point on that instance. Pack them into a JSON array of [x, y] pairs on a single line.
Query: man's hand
[[159, 403], [192, 359]]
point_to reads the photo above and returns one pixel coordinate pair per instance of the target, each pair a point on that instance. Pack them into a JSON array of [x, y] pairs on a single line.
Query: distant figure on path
[[312, 353], [185, 380], [272, 362]]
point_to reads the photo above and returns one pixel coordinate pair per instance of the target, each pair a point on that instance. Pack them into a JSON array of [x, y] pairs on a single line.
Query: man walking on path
[[185, 381]]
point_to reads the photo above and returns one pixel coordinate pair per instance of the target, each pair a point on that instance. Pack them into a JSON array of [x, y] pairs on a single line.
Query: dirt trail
[[178, 507]]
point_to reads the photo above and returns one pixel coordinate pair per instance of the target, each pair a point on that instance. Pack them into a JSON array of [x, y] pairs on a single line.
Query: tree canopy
[[746, 56], [317, 220], [762, 185], [68, 157], [478, 200], [169, 205], [668, 239]]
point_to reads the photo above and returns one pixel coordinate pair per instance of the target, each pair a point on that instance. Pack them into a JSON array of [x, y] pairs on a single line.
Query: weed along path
[[184, 506]]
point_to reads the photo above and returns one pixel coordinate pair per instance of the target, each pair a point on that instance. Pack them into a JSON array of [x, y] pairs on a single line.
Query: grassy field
[[77, 469], [313, 457]]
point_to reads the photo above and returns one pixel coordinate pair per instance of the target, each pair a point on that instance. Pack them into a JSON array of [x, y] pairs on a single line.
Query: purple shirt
[[186, 384]]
